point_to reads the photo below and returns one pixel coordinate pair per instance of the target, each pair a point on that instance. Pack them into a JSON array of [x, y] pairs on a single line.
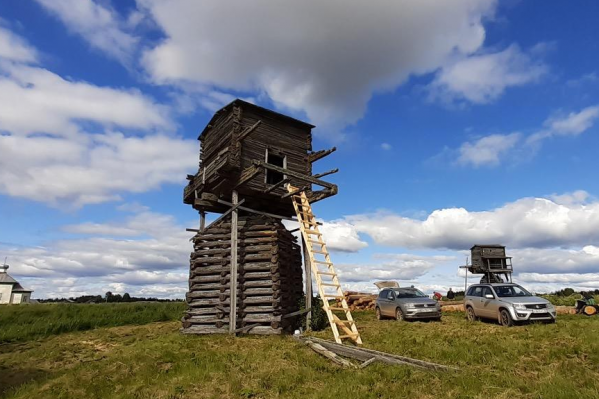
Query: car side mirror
[[489, 296]]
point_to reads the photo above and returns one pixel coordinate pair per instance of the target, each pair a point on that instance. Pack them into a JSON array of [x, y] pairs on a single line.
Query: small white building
[[10, 289]]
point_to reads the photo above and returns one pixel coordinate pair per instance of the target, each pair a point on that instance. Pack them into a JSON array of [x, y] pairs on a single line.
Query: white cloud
[[528, 222], [400, 267], [98, 24], [487, 150], [386, 146], [60, 171], [47, 154], [555, 260], [342, 236], [491, 150], [153, 258], [35, 100], [323, 58], [482, 78], [13, 48]]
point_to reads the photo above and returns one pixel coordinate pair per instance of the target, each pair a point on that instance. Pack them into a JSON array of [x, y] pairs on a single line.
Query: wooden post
[[202, 221], [308, 275], [233, 277]]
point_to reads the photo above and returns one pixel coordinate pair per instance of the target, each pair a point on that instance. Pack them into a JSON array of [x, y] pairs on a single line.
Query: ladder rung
[[345, 322], [320, 252], [337, 308], [316, 242], [313, 232], [327, 273], [331, 285], [323, 262], [349, 336]]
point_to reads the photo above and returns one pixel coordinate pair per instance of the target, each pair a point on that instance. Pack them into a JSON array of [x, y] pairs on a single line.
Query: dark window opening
[[273, 177]]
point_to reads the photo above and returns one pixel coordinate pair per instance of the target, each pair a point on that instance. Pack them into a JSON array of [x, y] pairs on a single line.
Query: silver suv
[[406, 304], [507, 303]]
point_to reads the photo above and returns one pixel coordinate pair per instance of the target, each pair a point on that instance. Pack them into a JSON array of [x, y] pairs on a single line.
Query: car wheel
[[379, 316], [470, 314], [505, 318], [399, 316]]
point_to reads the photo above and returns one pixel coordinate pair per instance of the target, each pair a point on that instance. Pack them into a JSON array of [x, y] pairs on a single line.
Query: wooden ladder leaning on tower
[[326, 279]]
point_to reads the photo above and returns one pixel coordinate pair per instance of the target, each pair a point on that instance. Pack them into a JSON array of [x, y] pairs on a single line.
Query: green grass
[[22, 323], [156, 361], [566, 300]]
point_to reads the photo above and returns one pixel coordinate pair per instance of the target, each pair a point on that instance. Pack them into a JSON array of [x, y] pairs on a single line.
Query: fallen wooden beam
[[364, 355], [328, 354]]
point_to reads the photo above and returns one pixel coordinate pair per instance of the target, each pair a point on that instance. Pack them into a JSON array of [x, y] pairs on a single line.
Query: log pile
[[269, 278], [358, 300]]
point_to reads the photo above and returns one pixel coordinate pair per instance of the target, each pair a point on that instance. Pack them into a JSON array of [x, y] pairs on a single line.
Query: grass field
[[23, 323], [156, 361]]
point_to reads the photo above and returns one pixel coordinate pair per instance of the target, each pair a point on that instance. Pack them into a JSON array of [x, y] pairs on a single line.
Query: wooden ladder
[[323, 269]]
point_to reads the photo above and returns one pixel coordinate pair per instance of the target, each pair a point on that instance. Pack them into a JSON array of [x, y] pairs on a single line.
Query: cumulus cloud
[[97, 169], [48, 154], [482, 78], [342, 236], [98, 24], [386, 146], [528, 222], [35, 100], [391, 267], [487, 150], [153, 253], [325, 59]]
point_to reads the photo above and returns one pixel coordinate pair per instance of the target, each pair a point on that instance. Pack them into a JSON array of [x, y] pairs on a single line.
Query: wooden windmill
[[246, 268]]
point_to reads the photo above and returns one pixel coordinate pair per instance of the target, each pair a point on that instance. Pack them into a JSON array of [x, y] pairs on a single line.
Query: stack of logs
[[269, 278], [358, 300]]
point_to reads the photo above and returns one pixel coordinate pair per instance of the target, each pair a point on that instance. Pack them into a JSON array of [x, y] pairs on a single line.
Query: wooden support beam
[[248, 131], [296, 175], [295, 192], [276, 185], [298, 313], [248, 174], [244, 208], [202, 221], [224, 215], [315, 156], [193, 230], [233, 275], [330, 172], [308, 277]]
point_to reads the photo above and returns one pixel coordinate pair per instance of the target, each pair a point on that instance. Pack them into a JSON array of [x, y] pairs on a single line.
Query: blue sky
[[455, 123]]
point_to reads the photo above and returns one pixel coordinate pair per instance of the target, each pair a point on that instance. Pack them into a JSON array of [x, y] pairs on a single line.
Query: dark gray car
[[406, 304]]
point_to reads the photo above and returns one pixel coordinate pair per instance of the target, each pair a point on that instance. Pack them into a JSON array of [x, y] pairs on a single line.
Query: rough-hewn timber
[[269, 278]]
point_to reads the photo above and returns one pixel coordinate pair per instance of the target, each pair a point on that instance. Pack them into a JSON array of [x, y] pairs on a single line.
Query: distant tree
[[568, 291], [108, 296], [126, 297]]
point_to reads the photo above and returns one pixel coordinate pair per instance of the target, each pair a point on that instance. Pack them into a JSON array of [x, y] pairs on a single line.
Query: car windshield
[[504, 291], [410, 293]]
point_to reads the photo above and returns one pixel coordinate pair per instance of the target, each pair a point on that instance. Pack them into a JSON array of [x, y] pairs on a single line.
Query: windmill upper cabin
[[255, 151], [246, 267]]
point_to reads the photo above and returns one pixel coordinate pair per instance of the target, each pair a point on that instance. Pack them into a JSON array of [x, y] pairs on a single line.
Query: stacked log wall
[[269, 278]]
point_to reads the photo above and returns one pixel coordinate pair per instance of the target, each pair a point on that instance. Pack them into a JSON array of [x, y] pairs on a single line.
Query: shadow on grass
[[12, 378]]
